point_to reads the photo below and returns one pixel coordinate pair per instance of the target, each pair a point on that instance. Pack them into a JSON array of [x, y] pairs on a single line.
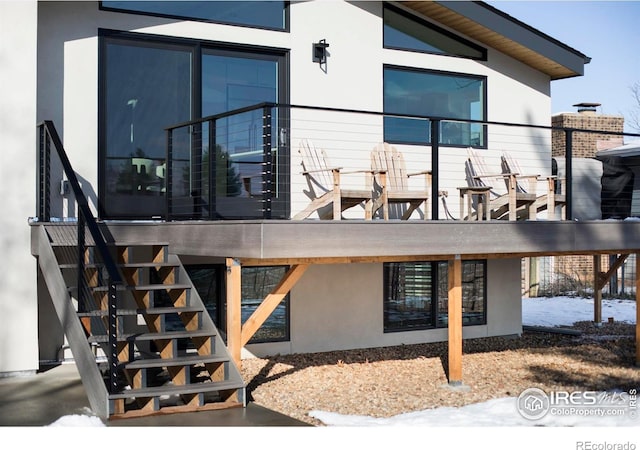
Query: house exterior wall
[[339, 307], [55, 77], [68, 86], [18, 299]]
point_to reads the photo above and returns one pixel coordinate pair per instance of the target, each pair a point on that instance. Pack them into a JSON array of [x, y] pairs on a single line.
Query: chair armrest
[[328, 169], [423, 172]]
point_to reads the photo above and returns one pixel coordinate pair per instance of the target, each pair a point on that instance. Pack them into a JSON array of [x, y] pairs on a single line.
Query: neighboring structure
[[576, 273], [127, 84]]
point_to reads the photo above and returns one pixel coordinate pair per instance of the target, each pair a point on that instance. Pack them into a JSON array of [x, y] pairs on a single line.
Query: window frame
[[431, 26], [436, 322], [197, 47], [285, 28], [418, 70]]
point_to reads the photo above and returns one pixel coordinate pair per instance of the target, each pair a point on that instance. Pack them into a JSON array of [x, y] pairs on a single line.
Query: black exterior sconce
[[320, 52]]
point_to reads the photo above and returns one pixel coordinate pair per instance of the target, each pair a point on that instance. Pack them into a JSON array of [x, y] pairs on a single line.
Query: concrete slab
[[41, 399]]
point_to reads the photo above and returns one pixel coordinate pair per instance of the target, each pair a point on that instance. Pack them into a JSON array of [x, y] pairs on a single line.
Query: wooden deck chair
[[514, 202], [392, 179], [527, 183], [328, 198]]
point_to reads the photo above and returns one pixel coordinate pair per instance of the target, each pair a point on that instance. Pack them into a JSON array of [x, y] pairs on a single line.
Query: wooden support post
[[597, 291], [637, 309], [455, 321], [234, 318], [271, 301]]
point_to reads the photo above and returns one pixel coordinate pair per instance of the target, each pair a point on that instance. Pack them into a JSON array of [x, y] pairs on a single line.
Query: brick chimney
[[585, 145]]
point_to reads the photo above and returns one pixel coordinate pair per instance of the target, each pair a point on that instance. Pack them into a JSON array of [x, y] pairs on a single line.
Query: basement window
[[416, 295], [257, 283]]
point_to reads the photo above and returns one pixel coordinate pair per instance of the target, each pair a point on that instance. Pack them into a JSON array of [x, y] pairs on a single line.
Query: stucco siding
[[18, 300], [339, 307]]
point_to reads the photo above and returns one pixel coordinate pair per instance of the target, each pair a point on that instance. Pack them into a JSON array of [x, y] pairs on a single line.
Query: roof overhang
[[506, 34]]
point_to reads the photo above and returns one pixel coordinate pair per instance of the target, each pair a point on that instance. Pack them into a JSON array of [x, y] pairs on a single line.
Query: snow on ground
[[559, 311]]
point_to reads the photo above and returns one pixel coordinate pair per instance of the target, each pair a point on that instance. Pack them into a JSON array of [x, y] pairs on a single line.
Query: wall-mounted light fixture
[[320, 52]]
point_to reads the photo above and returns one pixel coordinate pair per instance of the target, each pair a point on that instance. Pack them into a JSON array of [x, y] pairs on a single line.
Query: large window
[[406, 32], [150, 83], [257, 283], [416, 295], [263, 14], [413, 95]]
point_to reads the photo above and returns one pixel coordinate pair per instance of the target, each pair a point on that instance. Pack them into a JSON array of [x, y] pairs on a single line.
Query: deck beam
[[455, 321], [234, 315]]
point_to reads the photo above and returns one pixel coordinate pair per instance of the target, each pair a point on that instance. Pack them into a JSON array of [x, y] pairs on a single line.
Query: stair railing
[[48, 136]]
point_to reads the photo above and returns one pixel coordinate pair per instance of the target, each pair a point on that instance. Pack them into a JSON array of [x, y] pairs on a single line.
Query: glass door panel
[[231, 80], [147, 87]]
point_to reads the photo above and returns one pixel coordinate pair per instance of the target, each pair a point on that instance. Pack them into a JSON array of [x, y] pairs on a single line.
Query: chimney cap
[[587, 105]]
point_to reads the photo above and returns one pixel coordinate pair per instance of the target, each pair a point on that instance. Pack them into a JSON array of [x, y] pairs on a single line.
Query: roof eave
[[507, 34]]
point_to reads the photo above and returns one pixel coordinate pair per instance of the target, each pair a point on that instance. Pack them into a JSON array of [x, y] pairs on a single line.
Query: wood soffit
[[491, 38]]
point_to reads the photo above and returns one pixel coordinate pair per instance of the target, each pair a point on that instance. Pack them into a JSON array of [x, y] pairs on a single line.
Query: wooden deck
[[317, 242], [306, 242]]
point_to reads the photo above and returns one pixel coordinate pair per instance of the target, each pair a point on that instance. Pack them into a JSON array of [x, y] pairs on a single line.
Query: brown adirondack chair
[[328, 198], [514, 203], [391, 176], [548, 201]]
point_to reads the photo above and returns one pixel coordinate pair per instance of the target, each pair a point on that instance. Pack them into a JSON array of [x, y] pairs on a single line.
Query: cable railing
[[86, 222], [245, 164]]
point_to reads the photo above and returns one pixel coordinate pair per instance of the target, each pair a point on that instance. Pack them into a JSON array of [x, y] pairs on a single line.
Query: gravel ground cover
[[384, 382]]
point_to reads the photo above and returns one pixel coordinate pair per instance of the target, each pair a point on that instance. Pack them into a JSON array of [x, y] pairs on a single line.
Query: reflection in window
[[147, 87], [416, 295], [433, 94], [263, 14], [405, 32]]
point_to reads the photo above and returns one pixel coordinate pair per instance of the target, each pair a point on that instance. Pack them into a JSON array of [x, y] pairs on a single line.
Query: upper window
[[414, 95], [405, 32], [416, 295], [268, 14]]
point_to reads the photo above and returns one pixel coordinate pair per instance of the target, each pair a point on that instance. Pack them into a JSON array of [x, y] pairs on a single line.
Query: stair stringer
[[233, 371], [83, 355]]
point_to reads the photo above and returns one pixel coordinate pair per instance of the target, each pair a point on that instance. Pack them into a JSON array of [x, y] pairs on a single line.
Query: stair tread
[[154, 336], [178, 361], [192, 388], [141, 265], [148, 264], [133, 312], [145, 287]]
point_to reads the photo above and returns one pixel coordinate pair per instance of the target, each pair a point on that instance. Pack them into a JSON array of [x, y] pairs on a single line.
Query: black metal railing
[[211, 179], [86, 221], [228, 165], [244, 164]]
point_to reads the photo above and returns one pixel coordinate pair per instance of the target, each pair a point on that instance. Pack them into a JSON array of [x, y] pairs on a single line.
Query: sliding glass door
[[148, 85]]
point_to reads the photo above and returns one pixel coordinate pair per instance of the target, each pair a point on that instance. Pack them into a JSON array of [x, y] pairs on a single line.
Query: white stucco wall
[[67, 80], [352, 79], [338, 307], [18, 300]]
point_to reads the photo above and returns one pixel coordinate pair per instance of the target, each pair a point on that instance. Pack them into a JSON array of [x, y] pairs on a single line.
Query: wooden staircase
[[171, 357]]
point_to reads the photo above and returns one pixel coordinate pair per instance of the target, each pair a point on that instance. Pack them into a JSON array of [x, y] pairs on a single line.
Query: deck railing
[[85, 220], [255, 172], [245, 164]]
